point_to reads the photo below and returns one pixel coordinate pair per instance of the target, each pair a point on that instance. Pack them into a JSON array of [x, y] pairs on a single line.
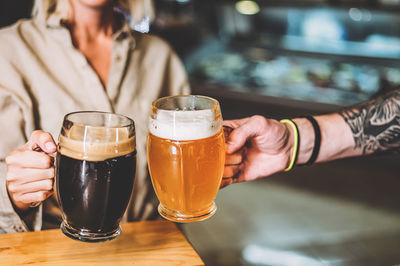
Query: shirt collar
[[124, 32], [54, 20]]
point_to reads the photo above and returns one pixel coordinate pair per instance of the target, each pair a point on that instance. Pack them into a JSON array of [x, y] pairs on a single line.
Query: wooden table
[[141, 243]]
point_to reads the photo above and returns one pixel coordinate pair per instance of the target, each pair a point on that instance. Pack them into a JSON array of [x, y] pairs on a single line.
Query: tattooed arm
[[259, 147], [375, 125], [370, 127]]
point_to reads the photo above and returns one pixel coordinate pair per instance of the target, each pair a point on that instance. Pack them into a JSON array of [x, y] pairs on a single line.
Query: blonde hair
[[137, 9]]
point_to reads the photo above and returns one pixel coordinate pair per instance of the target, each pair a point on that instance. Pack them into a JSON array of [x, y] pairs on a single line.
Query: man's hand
[[256, 147]]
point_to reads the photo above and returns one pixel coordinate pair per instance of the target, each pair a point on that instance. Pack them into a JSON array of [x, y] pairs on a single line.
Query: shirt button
[[117, 58]]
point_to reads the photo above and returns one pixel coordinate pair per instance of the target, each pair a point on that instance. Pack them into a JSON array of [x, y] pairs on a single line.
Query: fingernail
[[50, 145]]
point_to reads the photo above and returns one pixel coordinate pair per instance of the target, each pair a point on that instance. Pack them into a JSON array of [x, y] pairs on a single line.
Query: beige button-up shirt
[[43, 77]]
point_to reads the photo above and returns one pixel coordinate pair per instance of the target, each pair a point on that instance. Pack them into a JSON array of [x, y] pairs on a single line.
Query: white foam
[[185, 125]]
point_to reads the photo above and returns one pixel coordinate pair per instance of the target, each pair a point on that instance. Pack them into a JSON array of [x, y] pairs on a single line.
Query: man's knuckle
[[257, 118]]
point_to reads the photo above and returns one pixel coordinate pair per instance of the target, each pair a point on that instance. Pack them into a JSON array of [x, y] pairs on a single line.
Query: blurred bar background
[[312, 54], [284, 59]]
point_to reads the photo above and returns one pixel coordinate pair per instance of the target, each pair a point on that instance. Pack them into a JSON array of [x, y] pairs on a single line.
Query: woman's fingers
[[29, 159], [45, 185], [32, 196], [27, 175], [26, 185], [30, 170], [23, 194], [42, 140]]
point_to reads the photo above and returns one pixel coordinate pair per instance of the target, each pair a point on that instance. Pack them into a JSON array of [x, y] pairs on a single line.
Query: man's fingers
[[29, 159], [231, 170], [235, 158], [43, 140], [248, 128], [236, 140], [235, 123], [226, 182]]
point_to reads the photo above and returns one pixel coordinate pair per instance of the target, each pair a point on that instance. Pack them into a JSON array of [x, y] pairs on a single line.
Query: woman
[[73, 55]]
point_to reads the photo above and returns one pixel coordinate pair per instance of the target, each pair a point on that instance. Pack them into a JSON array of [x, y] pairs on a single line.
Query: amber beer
[[186, 154]]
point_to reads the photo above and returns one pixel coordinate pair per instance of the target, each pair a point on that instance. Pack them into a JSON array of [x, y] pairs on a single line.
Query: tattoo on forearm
[[376, 124]]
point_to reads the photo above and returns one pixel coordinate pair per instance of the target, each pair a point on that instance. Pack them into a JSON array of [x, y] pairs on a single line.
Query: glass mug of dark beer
[[96, 164], [186, 154]]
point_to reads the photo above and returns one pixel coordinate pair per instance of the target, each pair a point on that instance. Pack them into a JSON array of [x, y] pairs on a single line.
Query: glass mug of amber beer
[[96, 164], [186, 154]]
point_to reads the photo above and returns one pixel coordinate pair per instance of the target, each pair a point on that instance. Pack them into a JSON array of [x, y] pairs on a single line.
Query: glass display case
[[324, 53]]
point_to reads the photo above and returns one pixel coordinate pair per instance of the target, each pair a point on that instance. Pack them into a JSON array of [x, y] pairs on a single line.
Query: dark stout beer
[[94, 194], [96, 165]]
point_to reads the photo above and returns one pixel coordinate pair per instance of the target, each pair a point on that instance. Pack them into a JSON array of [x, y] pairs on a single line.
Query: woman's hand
[[30, 171], [256, 147]]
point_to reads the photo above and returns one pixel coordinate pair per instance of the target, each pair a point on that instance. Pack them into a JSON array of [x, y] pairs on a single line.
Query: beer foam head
[[185, 125], [95, 143]]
